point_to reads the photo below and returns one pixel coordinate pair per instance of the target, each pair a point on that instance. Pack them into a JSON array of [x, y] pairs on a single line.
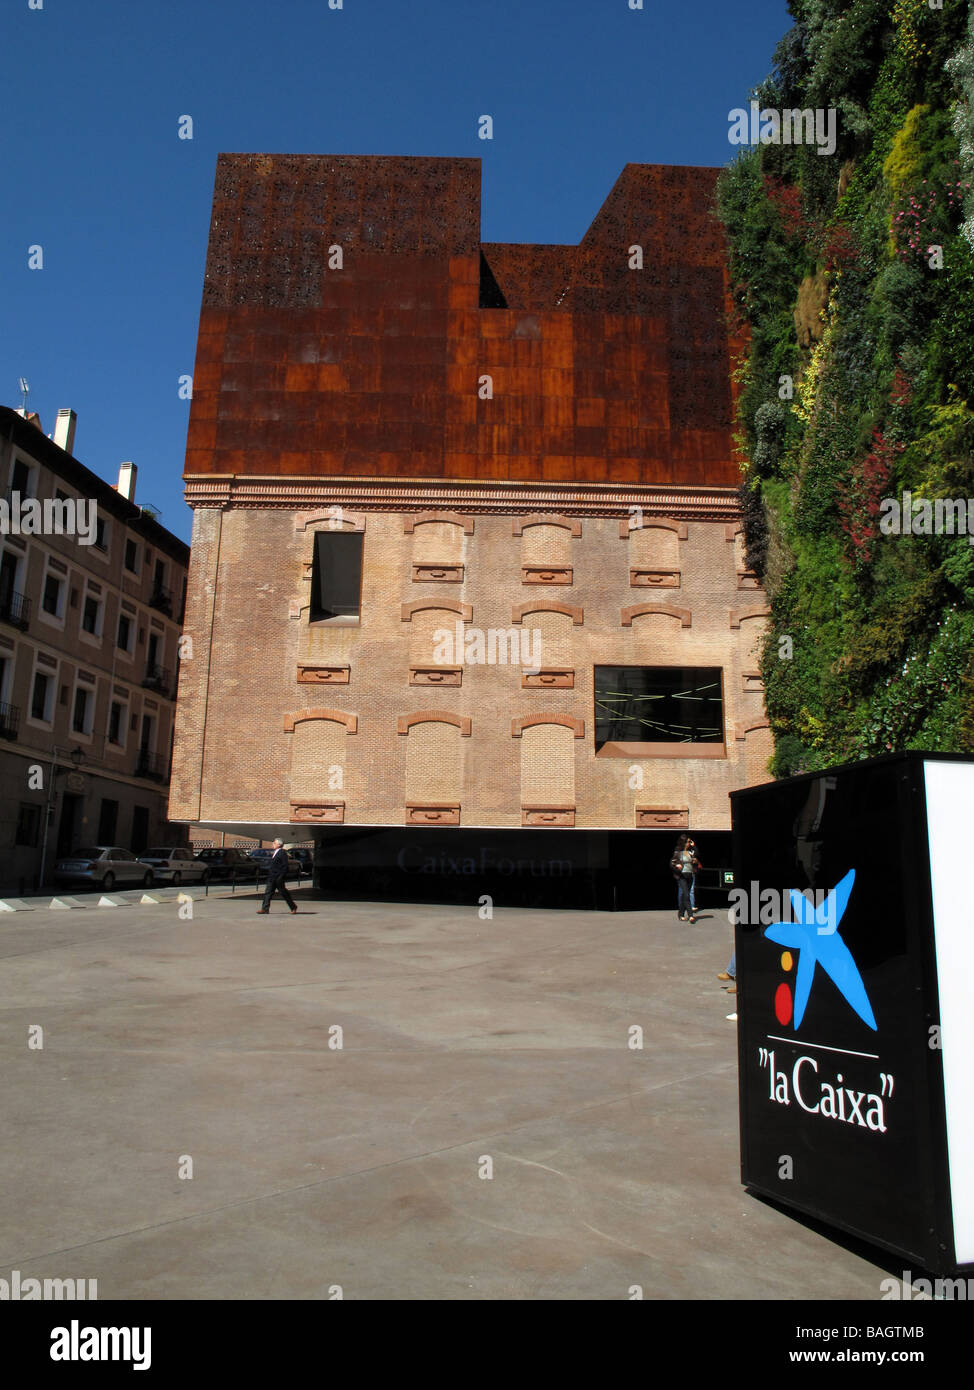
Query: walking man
[[276, 874]]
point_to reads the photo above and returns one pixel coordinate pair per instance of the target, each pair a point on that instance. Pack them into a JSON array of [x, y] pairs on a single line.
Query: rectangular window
[[131, 556], [79, 722], [41, 697], [101, 534], [125, 633], [20, 478], [51, 602], [91, 614], [116, 722], [28, 825], [336, 575], [658, 711]]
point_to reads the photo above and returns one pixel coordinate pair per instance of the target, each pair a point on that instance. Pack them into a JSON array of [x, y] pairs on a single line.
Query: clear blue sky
[[94, 172]]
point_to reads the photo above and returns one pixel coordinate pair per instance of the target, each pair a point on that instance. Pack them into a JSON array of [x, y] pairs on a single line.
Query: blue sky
[[95, 174]]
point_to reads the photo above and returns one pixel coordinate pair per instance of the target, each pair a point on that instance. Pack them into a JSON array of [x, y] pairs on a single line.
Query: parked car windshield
[[86, 852], [157, 853]]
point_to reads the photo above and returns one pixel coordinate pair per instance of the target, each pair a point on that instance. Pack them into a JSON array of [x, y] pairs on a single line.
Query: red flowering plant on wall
[[861, 495], [841, 248], [787, 201]]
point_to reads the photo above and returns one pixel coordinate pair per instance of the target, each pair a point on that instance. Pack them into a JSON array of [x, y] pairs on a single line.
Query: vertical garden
[[854, 275]]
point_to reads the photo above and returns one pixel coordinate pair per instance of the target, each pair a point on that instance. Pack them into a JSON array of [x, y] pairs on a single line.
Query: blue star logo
[[818, 943]]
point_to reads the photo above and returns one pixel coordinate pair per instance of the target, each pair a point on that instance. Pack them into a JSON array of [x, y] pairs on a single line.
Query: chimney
[[64, 429], [126, 480]]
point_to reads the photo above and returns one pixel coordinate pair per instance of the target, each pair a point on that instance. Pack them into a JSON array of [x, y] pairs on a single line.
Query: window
[[124, 639], [20, 478], [653, 711], [102, 531], [336, 576], [52, 601], [81, 719], [28, 825], [41, 697], [116, 723], [91, 616], [132, 556]]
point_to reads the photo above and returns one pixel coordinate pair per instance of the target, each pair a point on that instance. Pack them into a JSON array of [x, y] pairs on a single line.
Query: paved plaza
[[468, 1048]]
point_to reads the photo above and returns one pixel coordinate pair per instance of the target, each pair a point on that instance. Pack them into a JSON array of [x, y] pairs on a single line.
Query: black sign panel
[[841, 1082]]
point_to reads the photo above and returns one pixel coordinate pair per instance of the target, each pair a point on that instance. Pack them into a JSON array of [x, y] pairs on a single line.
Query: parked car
[[305, 857], [262, 857], [175, 865], [226, 863], [102, 866]]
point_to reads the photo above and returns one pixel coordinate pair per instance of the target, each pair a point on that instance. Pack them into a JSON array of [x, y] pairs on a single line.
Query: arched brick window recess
[[519, 523], [434, 716], [464, 611], [741, 615], [298, 716], [520, 610], [527, 721], [627, 526], [332, 519], [742, 730], [638, 610], [455, 518]]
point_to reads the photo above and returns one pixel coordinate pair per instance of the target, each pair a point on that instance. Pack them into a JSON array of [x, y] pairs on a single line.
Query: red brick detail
[[436, 675], [317, 812], [747, 579], [654, 579], [434, 716], [456, 518], [349, 521], [428, 572], [626, 527], [732, 529], [520, 610], [518, 523], [545, 574], [432, 813], [636, 610], [547, 815], [339, 716], [462, 610], [677, 817], [752, 682], [742, 730], [322, 675], [550, 678], [741, 615], [526, 721]]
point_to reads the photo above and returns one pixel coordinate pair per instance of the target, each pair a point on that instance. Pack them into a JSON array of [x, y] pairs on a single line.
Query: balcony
[[9, 720], [150, 765], [158, 678], [15, 609], [161, 598]]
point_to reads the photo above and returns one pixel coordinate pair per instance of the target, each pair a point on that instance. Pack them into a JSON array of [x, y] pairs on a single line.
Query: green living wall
[[854, 274]]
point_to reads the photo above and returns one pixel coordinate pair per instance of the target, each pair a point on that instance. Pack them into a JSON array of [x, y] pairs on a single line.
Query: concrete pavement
[[403, 1102]]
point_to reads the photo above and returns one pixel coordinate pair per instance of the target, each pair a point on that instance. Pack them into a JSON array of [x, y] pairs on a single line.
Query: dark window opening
[[336, 575], [131, 555], [115, 723], [28, 826], [90, 619], [38, 703], [107, 821], [52, 595], [124, 633], [491, 294], [100, 533], [657, 705], [78, 722]]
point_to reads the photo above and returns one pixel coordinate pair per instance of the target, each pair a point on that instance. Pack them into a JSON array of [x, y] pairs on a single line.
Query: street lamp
[[77, 756]]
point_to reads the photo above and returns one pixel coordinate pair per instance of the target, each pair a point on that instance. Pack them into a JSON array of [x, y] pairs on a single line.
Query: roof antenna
[[25, 391]]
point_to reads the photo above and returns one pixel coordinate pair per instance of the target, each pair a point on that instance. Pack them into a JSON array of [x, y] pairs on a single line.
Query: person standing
[[683, 866], [276, 874]]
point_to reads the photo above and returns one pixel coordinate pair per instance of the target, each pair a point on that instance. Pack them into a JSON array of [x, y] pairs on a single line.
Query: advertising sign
[[854, 1040]]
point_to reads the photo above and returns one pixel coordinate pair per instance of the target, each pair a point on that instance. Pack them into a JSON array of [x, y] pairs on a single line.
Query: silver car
[[175, 865], [102, 866]]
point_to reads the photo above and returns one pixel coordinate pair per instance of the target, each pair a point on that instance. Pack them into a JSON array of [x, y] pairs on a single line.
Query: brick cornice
[[473, 496]]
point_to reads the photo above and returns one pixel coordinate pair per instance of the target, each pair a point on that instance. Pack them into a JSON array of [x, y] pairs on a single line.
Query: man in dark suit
[[276, 874]]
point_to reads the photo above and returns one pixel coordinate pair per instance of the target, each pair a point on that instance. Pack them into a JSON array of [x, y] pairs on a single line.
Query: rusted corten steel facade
[[525, 436]]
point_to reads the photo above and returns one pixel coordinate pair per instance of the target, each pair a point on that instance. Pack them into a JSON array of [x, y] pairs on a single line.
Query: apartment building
[[479, 503], [92, 590]]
